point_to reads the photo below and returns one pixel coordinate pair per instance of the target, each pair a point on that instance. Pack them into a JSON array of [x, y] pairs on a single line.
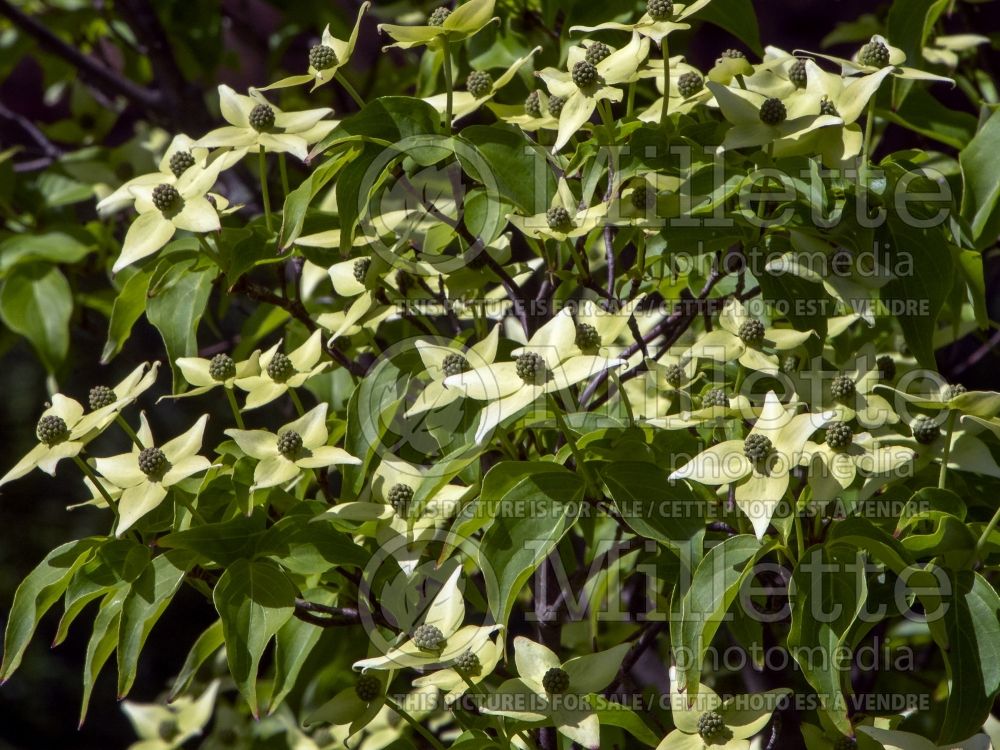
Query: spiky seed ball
[[533, 104], [772, 111], [558, 219], [797, 73], [757, 447], [596, 52], [886, 367], [715, 397], [555, 680], [152, 462], [468, 664], [842, 387], [222, 367], [361, 266], [530, 367], [660, 10], [711, 726], [641, 197], [166, 197], [289, 443], [438, 17], [733, 54], [791, 364], [180, 162], [874, 54], [52, 429], [689, 84], [322, 57], [399, 497], [454, 364], [368, 687], [826, 107], [956, 390], [673, 375], [752, 332], [925, 430], [839, 435], [584, 74], [479, 83], [556, 104], [845, 743], [428, 637], [261, 118], [587, 337], [280, 368], [100, 396]]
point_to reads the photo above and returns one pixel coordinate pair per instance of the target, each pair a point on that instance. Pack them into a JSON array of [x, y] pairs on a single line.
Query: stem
[[129, 431], [869, 127], [89, 473], [284, 172], [183, 499], [209, 251], [448, 86], [231, 397], [574, 449], [630, 104], [943, 474], [263, 188], [984, 539], [295, 400], [420, 728], [624, 397], [800, 542], [351, 91], [665, 49]]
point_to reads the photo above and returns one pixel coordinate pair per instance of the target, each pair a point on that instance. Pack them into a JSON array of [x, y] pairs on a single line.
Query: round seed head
[[842, 387], [558, 219], [152, 462], [826, 107], [533, 104], [428, 638], [280, 368], [752, 332], [711, 726], [555, 680], [641, 197], [454, 364], [479, 83], [757, 447], [100, 396], [874, 54], [399, 497], [584, 74], [556, 104], [289, 443], [839, 435], [261, 118], [222, 367], [180, 162], [322, 57], [52, 430], [166, 198], [773, 112], [660, 10], [368, 687], [438, 17], [587, 337], [468, 664], [689, 84], [530, 367], [673, 375], [797, 73], [361, 266], [925, 430], [715, 397], [956, 390], [597, 52], [886, 367], [791, 364], [733, 54]]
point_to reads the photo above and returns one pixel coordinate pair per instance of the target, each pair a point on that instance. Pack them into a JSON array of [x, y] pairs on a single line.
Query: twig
[[325, 616]]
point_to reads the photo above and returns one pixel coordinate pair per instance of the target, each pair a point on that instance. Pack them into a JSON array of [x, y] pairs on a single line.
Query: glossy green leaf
[[36, 302]]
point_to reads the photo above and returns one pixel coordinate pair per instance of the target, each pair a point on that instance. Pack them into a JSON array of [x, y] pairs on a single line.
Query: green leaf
[[513, 161], [703, 607], [128, 307], [980, 163], [910, 24], [922, 113], [531, 519], [293, 214], [37, 593], [738, 17], [210, 641], [388, 119], [292, 647], [36, 302], [652, 505], [146, 601], [827, 592], [308, 547], [221, 543], [369, 414], [53, 247], [103, 640], [860, 533], [254, 600], [614, 714], [176, 309]]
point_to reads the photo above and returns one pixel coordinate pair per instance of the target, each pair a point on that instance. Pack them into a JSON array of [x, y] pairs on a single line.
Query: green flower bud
[[689, 84], [733, 54], [289, 443], [558, 219], [428, 638], [839, 435], [361, 266], [587, 337], [52, 430], [711, 727], [555, 680], [715, 397], [673, 375], [660, 10], [222, 367], [596, 52], [100, 396], [166, 198], [752, 332], [368, 687], [322, 57], [956, 390], [791, 364], [584, 74], [641, 197], [261, 118], [533, 104], [925, 430], [152, 462], [468, 664], [437, 18], [454, 364], [886, 367], [797, 73], [530, 367], [399, 497], [757, 447], [180, 162], [556, 104], [874, 54], [773, 112], [842, 388], [479, 83], [280, 368], [826, 107]]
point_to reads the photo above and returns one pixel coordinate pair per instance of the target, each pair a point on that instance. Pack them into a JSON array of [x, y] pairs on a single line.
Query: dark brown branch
[[326, 616]]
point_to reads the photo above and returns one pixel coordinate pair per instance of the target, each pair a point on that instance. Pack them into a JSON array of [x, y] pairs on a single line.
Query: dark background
[[240, 42]]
